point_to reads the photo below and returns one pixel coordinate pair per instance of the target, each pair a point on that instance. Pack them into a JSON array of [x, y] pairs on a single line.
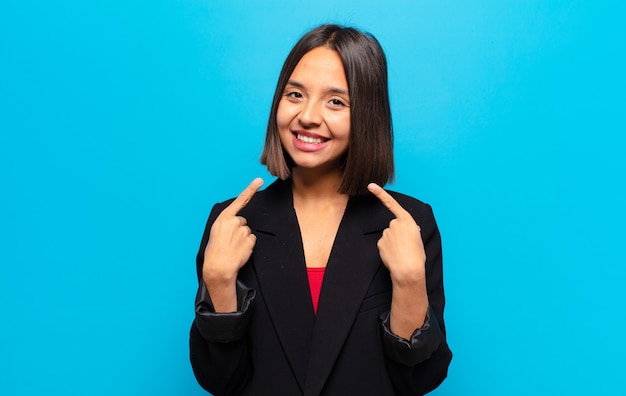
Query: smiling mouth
[[309, 139]]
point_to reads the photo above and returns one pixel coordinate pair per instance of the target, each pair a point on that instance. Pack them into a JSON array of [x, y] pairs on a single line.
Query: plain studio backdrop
[[122, 122]]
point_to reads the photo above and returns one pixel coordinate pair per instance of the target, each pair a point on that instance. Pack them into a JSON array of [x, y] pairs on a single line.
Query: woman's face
[[313, 116]]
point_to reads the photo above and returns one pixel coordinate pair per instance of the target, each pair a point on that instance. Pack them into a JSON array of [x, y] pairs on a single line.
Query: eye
[[294, 95], [337, 103]]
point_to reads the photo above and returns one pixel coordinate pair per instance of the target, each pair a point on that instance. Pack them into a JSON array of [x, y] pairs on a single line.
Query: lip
[[308, 147], [309, 134]]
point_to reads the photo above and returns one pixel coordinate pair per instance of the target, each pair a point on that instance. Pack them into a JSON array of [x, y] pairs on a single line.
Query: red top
[[316, 276]]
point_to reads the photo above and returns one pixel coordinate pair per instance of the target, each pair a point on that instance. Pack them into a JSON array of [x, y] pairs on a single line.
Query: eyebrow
[[333, 90]]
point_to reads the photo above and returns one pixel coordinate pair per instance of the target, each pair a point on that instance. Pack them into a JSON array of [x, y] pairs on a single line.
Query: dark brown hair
[[370, 150]]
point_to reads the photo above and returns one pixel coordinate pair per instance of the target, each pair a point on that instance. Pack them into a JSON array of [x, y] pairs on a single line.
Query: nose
[[311, 114]]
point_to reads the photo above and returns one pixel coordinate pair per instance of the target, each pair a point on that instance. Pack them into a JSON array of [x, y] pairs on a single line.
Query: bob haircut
[[370, 148]]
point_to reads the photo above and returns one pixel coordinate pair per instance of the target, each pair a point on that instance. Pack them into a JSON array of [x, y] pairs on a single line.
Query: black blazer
[[276, 345]]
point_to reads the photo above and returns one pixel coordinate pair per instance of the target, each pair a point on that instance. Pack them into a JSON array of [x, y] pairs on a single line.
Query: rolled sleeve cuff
[[223, 327], [423, 342]]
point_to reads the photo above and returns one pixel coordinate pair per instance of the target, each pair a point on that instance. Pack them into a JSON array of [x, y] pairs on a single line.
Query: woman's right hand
[[230, 246]]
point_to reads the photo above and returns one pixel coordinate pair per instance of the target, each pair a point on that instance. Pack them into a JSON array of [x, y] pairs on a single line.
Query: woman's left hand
[[402, 251]]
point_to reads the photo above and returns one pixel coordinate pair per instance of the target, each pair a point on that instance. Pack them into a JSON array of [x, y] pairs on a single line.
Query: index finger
[[387, 200], [242, 200]]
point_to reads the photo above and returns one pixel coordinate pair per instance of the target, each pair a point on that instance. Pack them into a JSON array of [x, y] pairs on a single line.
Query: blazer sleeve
[[419, 365], [217, 342]]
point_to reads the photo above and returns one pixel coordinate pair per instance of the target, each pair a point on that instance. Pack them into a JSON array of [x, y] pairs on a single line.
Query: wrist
[[222, 289], [409, 280], [214, 281], [217, 276]]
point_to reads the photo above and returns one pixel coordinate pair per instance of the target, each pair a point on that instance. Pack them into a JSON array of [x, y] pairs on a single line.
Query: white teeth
[[308, 139]]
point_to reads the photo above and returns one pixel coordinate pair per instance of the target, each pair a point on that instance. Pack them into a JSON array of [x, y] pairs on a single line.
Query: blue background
[[122, 122]]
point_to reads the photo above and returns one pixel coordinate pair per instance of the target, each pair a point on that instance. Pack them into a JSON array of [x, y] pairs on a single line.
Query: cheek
[[282, 116], [341, 126], [282, 122]]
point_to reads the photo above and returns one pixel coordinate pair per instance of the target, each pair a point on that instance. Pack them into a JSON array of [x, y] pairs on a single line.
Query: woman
[[323, 283]]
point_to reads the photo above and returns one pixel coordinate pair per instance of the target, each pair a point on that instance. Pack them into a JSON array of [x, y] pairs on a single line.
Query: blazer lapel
[[353, 263], [279, 264]]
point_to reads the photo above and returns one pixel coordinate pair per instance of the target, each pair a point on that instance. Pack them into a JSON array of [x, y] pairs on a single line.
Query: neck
[[316, 187]]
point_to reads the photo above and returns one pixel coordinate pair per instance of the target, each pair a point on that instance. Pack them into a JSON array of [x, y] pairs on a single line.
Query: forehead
[[321, 63]]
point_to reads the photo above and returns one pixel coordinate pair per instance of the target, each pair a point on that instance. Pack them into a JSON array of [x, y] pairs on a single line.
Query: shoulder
[[373, 215], [408, 201], [275, 201], [278, 189], [416, 207]]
